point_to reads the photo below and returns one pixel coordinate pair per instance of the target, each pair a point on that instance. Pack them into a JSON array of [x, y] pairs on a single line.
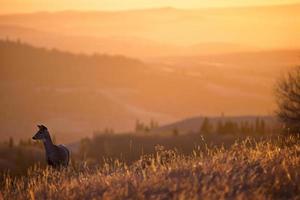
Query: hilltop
[[194, 124]]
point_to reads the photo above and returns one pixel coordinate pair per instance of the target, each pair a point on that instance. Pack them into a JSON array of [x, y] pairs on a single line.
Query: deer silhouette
[[56, 155]]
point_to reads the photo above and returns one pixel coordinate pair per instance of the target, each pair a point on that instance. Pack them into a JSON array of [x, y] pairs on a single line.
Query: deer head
[[42, 134]]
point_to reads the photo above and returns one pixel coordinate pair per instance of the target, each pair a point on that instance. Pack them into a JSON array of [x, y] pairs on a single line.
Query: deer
[[57, 156]]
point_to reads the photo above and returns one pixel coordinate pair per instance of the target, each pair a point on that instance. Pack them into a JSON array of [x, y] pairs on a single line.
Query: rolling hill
[[193, 124], [118, 45], [76, 94]]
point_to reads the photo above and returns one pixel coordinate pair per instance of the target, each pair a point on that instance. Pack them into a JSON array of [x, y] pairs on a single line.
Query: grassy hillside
[[249, 169], [126, 147]]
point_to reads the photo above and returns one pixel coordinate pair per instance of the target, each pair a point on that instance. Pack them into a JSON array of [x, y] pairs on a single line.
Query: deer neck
[[48, 144]]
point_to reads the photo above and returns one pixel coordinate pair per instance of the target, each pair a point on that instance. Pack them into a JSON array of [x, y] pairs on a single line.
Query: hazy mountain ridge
[[127, 46], [275, 26]]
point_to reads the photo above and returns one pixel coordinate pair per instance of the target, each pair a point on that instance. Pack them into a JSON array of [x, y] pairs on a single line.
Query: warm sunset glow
[[94, 64], [149, 99], [12, 6]]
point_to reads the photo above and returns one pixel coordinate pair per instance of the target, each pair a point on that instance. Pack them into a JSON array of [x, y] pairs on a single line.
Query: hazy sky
[[12, 6]]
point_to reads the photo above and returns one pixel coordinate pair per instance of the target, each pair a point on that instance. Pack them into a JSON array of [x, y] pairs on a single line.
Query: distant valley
[[79, 94], [83, 72]]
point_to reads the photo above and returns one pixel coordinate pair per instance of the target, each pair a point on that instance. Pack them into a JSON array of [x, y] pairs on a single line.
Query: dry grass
[[247, 170]]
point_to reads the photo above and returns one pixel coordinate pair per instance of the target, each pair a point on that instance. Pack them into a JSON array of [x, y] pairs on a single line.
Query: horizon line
[[149, 8]]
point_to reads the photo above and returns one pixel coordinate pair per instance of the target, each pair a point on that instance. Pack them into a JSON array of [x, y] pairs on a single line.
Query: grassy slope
[[248, 170]]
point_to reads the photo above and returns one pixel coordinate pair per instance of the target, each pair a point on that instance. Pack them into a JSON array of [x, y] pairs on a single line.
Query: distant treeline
[[16, 158], [129, 147], [218, 125], [230, 127]]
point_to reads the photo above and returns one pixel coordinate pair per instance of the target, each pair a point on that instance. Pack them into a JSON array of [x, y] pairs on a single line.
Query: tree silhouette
[[288, 100], [206, 127], [11, 142], [259, 126]]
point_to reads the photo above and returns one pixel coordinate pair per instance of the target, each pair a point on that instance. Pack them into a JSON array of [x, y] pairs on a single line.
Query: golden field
[[249, 169]]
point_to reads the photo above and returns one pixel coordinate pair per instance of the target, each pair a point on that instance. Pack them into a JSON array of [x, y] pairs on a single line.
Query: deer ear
[[44, 127]]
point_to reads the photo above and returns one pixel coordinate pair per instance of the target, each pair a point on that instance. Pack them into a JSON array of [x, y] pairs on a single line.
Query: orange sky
[[13, 6]]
